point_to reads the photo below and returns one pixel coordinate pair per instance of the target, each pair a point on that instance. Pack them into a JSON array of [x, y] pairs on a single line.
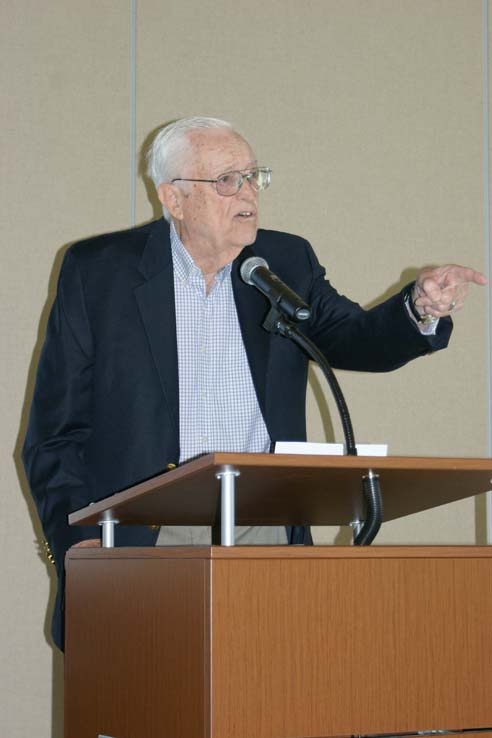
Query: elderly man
[[155, 351]]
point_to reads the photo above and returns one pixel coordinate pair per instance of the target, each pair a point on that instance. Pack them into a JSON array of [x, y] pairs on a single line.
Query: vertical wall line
[[486, 209], [133, 107]]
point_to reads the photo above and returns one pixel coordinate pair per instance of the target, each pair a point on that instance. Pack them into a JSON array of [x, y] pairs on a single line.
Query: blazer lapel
[[252, 308], [155, 298]]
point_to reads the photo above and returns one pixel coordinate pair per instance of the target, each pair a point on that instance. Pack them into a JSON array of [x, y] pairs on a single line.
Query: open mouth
[[245, 214]]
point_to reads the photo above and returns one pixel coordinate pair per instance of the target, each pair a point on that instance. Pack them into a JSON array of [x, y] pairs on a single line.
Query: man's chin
[[249, 235]]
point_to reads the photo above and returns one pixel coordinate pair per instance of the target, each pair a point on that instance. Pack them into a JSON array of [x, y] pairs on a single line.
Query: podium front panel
[[277, 642]]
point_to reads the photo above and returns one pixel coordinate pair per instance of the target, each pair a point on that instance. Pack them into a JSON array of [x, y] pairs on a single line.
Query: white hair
[[171, 145]]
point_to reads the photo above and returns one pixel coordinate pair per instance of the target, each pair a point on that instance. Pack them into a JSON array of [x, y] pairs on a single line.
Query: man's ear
[[172, 199]]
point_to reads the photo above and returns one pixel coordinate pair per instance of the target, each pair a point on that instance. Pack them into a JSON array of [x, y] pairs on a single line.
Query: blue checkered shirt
[[218, 407]]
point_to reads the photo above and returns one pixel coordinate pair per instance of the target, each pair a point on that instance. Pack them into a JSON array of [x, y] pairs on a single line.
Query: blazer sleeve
[[60, 417], [376, 340]]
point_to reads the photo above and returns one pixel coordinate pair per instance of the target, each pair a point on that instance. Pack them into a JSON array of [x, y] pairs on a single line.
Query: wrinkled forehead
[[213, 152]]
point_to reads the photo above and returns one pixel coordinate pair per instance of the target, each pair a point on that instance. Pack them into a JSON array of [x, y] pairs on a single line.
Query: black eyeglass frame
[[242, 177]]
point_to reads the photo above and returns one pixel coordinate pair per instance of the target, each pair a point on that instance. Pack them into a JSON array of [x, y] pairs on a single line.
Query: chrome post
[[356, 526], [227, 477], [107, 524]]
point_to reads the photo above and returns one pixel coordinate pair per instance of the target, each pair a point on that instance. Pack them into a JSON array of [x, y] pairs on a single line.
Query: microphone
[[255, 271]]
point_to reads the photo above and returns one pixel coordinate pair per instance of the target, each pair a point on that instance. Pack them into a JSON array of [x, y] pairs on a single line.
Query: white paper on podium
[[329, 449]]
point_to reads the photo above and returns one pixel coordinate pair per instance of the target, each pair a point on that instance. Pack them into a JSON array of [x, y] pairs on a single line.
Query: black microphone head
[[249, 265]]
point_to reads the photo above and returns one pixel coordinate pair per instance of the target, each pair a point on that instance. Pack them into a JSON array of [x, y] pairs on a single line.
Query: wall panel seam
[[133, 111], [486, 199]]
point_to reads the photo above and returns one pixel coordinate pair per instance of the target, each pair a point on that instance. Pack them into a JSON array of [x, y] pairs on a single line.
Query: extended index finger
[[459, 274]]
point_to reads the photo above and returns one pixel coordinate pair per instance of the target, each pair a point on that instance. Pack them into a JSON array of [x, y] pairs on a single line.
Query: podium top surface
[[291, 489]]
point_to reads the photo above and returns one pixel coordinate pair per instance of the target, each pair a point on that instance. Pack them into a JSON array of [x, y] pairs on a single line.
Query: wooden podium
[[280, 642]]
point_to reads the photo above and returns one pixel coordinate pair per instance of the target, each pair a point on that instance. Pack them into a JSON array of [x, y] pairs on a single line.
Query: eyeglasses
[[230, 183]]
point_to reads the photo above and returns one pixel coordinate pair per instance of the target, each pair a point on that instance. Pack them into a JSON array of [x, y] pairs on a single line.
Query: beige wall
[[370, 114]]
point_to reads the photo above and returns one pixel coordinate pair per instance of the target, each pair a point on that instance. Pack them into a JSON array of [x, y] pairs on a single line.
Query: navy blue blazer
[[105, 412]]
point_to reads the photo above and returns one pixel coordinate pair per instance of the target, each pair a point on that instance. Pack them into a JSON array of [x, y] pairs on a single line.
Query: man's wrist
[[421, 319], [426, 324]]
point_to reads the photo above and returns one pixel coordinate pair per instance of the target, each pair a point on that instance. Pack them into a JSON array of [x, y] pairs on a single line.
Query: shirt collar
[[185, 267]]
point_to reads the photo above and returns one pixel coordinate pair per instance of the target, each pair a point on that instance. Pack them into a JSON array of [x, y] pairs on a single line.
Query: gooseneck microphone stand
[[276, 323]]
